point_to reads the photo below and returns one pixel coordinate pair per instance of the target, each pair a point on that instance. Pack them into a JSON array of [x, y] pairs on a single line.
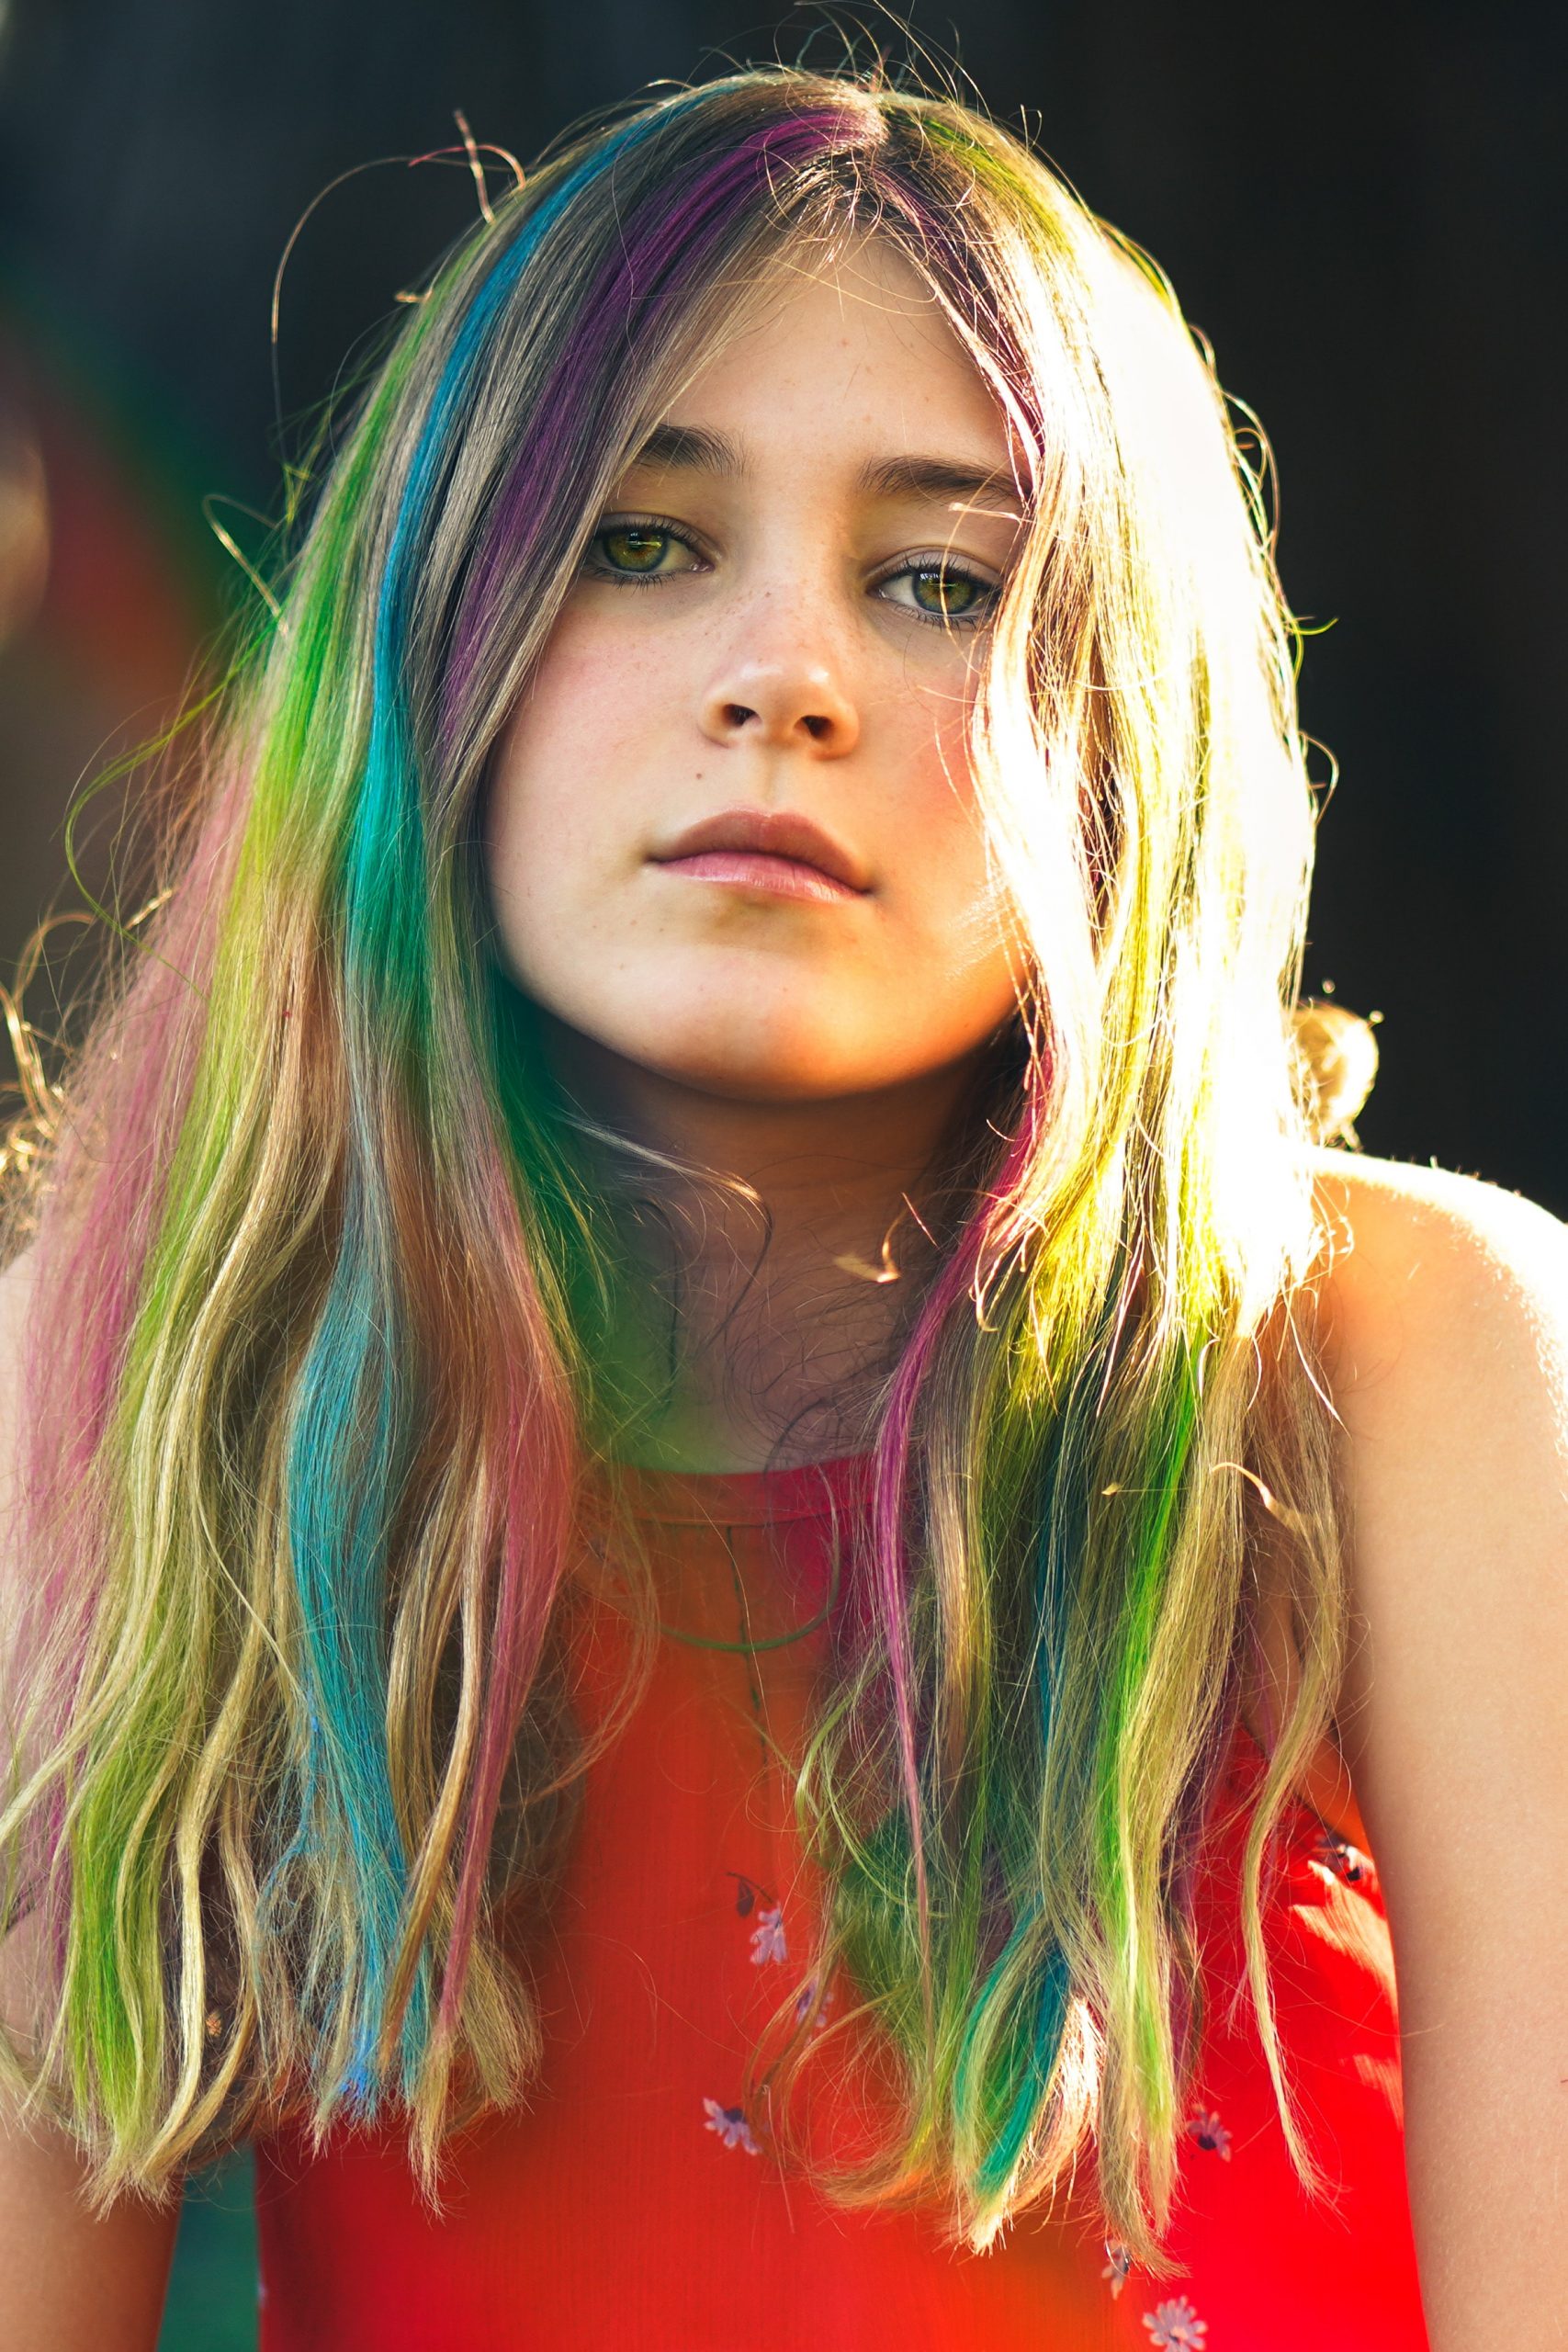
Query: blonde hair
[[323, 1279]]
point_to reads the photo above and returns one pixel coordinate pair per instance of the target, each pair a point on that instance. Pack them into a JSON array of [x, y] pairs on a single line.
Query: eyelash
[[930, 560]]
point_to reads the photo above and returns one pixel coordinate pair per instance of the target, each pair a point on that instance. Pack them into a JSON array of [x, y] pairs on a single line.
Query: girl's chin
[[773, 1057], [754, 1078], [769, 1052]]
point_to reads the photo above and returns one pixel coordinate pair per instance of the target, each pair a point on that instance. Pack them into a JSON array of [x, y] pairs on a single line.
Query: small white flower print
[[1176, 2326], [730, 2124], [1116, 2269], [768, 1936], [1211, 2133]]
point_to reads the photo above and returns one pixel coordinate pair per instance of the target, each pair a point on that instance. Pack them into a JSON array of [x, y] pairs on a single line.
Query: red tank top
[[631, 2204]]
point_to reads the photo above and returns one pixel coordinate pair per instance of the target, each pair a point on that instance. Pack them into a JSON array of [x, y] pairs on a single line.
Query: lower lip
[[774, 878]]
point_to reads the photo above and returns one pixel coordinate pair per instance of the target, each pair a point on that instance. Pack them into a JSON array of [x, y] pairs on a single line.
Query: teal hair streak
[[350, 1427], [1006, 2020], [1012, 2038]]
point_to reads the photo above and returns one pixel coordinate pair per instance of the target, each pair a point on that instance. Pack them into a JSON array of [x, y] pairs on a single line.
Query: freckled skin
[[779, 667]]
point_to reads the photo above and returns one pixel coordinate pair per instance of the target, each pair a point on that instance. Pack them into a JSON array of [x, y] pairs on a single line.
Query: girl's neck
[[769, 1298]]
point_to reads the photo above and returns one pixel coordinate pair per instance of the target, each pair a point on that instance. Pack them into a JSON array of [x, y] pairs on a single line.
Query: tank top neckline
[[813, 1490], [746, 1498]]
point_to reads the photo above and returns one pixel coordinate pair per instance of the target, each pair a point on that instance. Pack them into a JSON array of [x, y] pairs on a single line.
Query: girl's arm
[[68, 2283], [1450, 1371]]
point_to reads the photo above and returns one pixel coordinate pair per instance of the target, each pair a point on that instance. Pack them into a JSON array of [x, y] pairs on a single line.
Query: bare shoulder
[[1421, 1251], [1445, 1322], [1445, 1326]]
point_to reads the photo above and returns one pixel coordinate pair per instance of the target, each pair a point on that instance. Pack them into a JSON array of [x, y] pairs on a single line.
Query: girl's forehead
[[851, 341], [862, 297]]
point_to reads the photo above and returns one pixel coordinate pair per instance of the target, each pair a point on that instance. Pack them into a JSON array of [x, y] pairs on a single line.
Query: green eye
[[939, 591], [953, 594], [641, 547], [632, 548]]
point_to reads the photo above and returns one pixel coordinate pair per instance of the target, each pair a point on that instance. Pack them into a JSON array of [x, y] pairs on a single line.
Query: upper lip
[[774, 832]]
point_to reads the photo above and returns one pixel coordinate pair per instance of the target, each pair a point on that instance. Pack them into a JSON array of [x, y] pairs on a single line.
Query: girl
[[742, 1592]]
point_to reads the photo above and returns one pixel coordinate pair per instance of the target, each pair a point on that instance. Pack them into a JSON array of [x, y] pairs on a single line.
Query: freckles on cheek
[[577, 733], [947, 893], [598, 648], [602, 709], [933, 762]]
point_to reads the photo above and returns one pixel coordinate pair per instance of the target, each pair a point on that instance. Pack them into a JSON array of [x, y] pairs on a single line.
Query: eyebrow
[[690, 446], [939, 479]]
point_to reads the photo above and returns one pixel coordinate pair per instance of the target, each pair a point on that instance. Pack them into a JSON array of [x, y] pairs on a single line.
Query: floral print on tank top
[[1172, 2322], [687, 1924]]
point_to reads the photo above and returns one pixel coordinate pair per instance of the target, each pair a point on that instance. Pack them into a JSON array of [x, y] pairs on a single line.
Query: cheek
[[568, 790], [602, 750], [574, 733], [939, 874]]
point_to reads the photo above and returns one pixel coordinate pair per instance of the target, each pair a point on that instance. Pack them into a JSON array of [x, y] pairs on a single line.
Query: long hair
[[318, 1280]]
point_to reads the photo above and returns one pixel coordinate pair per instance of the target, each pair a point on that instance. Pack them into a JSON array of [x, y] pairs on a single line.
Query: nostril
[[816, 727], [737, 714]]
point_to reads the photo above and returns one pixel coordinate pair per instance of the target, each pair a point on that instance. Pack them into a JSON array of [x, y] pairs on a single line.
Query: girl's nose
[[787, 702]]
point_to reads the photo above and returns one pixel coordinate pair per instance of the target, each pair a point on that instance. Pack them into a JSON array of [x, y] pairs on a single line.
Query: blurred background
[[1362, 207]]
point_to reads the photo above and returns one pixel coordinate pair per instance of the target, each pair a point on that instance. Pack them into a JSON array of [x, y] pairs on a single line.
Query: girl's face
[[730, 829]]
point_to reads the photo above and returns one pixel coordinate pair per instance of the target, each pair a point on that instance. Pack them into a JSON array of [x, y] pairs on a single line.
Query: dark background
[[1362, 207]]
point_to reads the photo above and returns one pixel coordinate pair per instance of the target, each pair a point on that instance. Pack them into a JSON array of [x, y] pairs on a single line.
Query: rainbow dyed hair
[[317, 1279]]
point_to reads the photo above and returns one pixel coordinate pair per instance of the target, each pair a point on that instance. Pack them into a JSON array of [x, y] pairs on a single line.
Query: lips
[[754, 838]]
